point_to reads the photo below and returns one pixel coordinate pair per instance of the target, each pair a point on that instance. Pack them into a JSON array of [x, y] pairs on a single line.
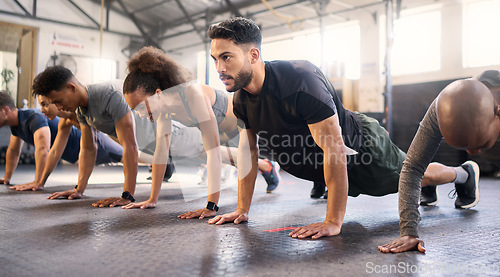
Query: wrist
[[153, 200], [337, 223], [240, 210], [76, 189]]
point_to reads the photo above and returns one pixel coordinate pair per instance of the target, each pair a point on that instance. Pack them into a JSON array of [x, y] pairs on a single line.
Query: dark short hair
[[52, 78], [6, 100], [240, 30]]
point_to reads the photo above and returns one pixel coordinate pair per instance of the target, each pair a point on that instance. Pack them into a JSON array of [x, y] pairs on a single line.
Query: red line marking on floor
[[280, 229]]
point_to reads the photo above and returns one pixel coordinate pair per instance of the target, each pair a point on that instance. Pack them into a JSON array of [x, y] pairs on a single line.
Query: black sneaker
[[272, 177], [429, 196], [318, 190], [468, 192], [169, 171]]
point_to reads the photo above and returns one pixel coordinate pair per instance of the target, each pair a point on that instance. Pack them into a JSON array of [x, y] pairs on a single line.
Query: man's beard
[[242, 80]]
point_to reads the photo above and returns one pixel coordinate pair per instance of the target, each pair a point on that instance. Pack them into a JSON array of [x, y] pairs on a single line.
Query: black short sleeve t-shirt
[[294, 95], [30, 120]]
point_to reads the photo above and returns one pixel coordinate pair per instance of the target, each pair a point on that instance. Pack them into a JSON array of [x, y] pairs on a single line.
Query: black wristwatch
[[127, 195], [212, 206]]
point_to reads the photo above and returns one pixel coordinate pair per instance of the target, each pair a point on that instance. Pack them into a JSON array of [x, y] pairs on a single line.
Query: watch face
[[126, 195]]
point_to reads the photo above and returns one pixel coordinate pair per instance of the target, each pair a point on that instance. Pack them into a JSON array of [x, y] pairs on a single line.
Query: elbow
[[336, 155], [44, 151], [131, 148]]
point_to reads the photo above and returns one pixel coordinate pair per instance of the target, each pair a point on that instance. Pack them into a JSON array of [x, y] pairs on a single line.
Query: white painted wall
[[90, 40]]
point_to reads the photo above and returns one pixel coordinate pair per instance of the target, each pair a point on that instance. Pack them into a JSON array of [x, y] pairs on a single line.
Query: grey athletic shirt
[[422, 150], [106, 107]]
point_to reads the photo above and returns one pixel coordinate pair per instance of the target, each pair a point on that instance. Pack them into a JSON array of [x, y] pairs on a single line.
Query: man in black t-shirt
[[294, 109]]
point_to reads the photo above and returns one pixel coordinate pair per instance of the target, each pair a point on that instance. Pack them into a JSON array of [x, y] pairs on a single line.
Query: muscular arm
[[87, 156], [246, 164], [86, 161], [125, 132], [57, 149], [42, 147], [12, 158], [327, 135]]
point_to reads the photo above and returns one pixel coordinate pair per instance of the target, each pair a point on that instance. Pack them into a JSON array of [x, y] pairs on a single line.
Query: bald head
[[468, 116]]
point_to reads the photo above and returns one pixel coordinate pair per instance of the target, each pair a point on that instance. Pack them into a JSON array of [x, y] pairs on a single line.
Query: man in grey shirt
[[467, 115], [98, 107]]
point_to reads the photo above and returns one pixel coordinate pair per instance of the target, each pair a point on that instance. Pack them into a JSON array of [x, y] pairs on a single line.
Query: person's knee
[[431, 175]]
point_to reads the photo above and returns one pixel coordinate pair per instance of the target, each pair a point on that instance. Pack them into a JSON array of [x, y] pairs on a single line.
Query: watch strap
[[127, 195], [212, 206]]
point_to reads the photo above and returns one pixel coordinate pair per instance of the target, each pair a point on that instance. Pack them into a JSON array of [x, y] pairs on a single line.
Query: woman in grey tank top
[[159, 88]]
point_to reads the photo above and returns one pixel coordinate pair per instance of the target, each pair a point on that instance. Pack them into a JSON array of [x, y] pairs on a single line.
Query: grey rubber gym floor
[[42, 237]]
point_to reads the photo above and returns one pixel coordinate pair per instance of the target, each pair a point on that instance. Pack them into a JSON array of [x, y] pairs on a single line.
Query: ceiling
[[174, 25], [187, 20]]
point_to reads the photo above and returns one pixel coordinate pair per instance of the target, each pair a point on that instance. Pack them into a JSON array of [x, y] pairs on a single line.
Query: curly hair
[[6, 100], [150, 68], [52, 78], [240, 30]]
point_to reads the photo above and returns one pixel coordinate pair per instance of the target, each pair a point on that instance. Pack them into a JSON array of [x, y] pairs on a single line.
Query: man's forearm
[[11, 160], [41, 154], [246, 184], [337, 183], [85, 167], [56, 150], [130, 156]]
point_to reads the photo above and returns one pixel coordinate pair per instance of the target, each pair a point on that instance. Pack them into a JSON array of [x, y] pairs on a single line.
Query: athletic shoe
[[169, 171], [429, 196], [272, 176], [318, 190], [468, 192]]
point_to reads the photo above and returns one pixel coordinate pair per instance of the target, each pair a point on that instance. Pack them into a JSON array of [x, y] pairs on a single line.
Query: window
[[417, 43], [481, 42], [342, 53], [103, 70]]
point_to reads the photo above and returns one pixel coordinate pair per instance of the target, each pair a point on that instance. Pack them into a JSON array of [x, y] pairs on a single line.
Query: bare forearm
[[337, 183], [85, 167], [41, 154], [57, 149], [12, 158], [246, 184], [130, 165]]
